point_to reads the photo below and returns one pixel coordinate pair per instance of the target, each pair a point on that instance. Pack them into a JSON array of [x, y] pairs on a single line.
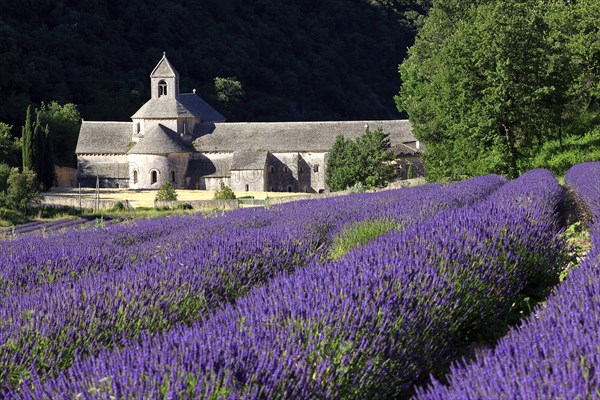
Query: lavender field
[[265, 303]]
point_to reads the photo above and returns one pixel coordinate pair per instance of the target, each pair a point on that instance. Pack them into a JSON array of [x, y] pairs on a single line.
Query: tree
[[166, 192], [365, 161], [37, 148], [5, 170], [375, 156], [22, 188], [8, 145], [229, 93], [225, 193], [63, 123], [340, 171], [27, 140], [484, 86]]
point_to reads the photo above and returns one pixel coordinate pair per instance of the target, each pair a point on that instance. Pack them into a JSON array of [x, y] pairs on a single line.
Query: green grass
[[357, 234]]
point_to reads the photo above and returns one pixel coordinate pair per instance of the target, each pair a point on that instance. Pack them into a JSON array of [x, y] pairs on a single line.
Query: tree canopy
[[365, 160], [487, 83], [296, 60]]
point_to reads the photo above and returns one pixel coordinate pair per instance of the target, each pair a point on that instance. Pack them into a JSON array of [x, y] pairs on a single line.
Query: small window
[[316, 168], [284, 169], [247, 188], [135, 176], [137, 128], [162, 88], [153, 177], [289, 188], [306, 189], [173, 176], [301, 170], [271, 169]]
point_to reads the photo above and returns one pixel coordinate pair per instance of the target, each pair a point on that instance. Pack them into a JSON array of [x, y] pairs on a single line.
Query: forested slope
[[296, 60]]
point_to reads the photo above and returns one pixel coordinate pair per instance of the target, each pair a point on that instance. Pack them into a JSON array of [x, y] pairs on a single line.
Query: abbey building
[[179, 138]]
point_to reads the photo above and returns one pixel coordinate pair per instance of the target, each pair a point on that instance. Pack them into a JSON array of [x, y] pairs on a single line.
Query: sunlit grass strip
[[359, 233]]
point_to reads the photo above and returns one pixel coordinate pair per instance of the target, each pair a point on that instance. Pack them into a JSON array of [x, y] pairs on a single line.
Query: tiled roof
[[295, 136], [164, 69], [205, 167], [160, 140], [198, 106], [187, 105], [245, 160], [96, 137]]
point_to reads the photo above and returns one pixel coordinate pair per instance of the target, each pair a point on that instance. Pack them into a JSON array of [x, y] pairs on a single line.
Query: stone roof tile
[[246, 160], [96, 137], [295, 136], [160, 140]]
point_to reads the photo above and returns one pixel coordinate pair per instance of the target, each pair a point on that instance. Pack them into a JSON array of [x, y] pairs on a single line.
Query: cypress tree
[[46, 172], [38, 145], [27, 140]]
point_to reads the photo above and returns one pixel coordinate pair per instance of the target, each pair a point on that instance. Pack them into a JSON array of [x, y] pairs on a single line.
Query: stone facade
[[179, 138]]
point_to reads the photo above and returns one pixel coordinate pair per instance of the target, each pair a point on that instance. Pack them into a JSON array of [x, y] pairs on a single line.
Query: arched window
[[271, 169], [135, 176], [289, 188], [153, 176], [284, 169], [173, 176], [162, 88]]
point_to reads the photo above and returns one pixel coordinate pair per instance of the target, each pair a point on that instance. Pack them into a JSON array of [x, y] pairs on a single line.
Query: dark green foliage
[[341, 170], [63, 122], [225, 193], [307, 60], [574, 150], [118, 206], [364, 161], [37, 149], [166, 192], [4, 174], [8, 145], [23, 187], [184, 206], [27, 140], [487, 83]]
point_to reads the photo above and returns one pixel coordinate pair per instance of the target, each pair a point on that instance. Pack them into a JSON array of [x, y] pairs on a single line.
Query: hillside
[[296, 60]]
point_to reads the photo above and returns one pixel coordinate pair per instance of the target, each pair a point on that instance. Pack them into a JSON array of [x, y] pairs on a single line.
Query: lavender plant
[[372, 323], [134, 280]]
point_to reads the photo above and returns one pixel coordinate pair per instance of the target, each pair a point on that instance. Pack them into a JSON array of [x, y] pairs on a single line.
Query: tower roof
[[164, 69], [160, 140]]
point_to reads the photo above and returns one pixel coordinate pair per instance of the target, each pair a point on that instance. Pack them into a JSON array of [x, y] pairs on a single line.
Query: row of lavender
[[372, 323], [77, 292], [554, 354]]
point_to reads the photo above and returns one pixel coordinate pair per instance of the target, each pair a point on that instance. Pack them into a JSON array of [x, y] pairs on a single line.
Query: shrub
[[184, 206], [166, 192], [118, 206], [225, 193]]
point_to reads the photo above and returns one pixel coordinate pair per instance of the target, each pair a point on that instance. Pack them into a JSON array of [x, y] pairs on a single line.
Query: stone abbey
[[180, 138]]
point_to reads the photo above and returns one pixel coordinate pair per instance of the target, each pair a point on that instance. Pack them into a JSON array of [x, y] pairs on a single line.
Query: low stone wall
[[84, 203], [202, 205]]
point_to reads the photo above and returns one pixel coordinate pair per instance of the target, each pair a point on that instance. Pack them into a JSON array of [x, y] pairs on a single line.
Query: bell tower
[[164, 80]]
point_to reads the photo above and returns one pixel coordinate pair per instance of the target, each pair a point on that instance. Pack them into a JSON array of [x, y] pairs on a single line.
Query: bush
[[23, 188], [118, 206], [225, 193], [184, 206], [166, 192]]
